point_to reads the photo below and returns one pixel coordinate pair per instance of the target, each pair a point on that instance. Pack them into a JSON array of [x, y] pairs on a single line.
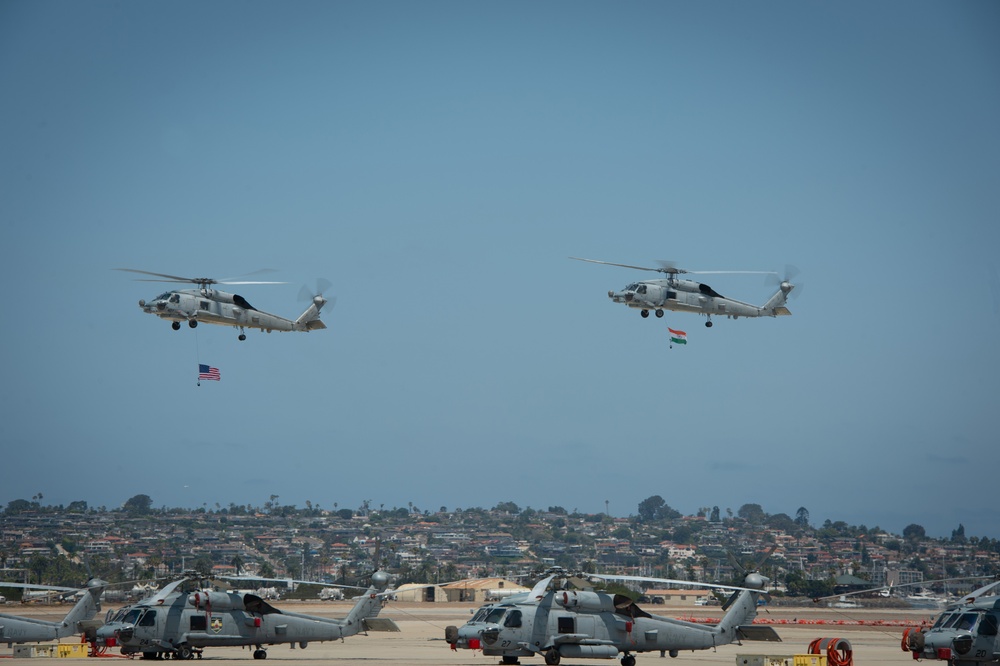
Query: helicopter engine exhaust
[[588, 601], [217, 601]]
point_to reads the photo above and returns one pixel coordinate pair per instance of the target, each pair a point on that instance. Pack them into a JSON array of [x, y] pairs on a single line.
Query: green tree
[[18, 506], [752, 513], [138, 504], [958, 535], [650, 507], [802, 517], [507, 507], [781, 521]]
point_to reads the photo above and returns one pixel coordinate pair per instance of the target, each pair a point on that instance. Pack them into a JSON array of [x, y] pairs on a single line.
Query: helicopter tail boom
[[309, 320], [775, 305], [736, 623]]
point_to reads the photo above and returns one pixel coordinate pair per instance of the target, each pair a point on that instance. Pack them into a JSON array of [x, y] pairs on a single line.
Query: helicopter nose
[[465, 637]]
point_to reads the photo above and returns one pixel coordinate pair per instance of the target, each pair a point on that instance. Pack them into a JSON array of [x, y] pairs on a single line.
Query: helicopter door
[[145, 628], [654, 295], [985, 637]]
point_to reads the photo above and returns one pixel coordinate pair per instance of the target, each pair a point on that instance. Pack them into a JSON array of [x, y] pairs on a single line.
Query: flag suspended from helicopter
[[209, 373], [678, 337]]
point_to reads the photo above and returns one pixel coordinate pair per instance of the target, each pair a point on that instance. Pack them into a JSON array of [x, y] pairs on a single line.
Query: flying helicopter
[[672, 293], [16, 629], [213, 306], [966, 633], [181, 623], [554, 621]]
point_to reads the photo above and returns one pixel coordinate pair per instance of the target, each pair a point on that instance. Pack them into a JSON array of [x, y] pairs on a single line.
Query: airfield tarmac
[[421, 639]]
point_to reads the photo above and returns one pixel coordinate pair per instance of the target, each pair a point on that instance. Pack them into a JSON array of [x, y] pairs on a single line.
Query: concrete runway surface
[[421, 639]]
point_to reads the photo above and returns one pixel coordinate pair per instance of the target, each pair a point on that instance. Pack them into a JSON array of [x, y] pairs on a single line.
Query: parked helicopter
[[679, 295], [212, 306], [554, 621], [16, 629], [965, 633], [180, 624]]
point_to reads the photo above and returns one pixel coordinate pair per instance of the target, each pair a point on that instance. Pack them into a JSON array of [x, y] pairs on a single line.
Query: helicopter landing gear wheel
[[193, 323], [242, 337], [644, 313], [184, 651], [552, 656], [708, 324], [628, 660], [507, 659], [176, 325], [260, 653], [659, 314]]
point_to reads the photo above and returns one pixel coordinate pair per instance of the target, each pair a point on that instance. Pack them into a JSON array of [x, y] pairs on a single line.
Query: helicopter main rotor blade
[[173, 278], [670, 268], [639, 268], [672, 581], [201, 281], [733, 272], [247, 282]]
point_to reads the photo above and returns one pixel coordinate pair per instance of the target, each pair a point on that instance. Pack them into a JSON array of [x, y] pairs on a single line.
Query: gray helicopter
[[16, 629], [180, 624], [964, 634], [212, 306], [671, 293], [553, 621]]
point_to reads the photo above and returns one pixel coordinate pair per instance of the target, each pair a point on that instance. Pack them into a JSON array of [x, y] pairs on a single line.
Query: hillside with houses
[[57, 545]]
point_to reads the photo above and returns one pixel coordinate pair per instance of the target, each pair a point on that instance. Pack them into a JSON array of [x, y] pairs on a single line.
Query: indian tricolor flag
[[680, 337]]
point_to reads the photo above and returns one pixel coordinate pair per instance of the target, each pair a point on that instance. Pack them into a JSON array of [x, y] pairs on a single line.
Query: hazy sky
[[438, 162]]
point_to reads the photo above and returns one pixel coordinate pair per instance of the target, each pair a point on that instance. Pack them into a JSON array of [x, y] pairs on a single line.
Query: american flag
[[205, 372]]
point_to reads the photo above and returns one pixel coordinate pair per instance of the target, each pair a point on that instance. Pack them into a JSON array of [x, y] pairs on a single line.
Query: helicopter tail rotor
[[309, 320], [316, 296], [784, 282], [751, 575]]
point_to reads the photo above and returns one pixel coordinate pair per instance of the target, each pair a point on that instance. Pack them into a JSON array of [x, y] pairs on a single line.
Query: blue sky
[[438, 162]]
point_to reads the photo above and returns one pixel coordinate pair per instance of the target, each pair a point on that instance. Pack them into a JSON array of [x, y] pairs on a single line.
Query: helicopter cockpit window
[[495, 615], [641, 289], [480, 615], [513, 619], [175, 298], [632, 287], [988, 627], [162, 297], [132, 616], [951, 620], [148, 619], [941, 620], [966, 621]]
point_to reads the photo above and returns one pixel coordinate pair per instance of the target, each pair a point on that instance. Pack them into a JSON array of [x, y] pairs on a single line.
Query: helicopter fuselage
[[592, 625], [696, 297], [181, 624], [962, 635], [212, 306]]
